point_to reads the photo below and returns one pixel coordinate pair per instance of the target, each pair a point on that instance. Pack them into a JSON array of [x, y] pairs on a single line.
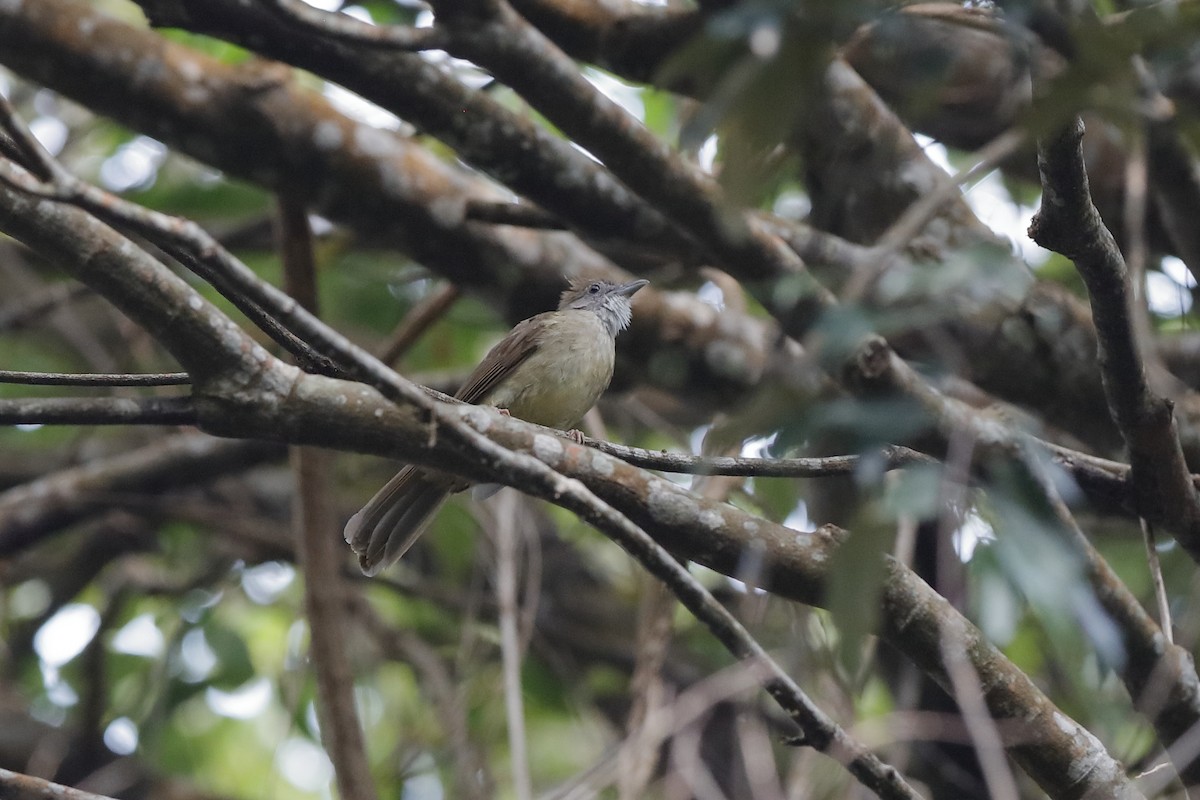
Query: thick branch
[[1069, 224]]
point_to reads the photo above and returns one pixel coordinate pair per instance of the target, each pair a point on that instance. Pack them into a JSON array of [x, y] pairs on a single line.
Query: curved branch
[[1069, 224]]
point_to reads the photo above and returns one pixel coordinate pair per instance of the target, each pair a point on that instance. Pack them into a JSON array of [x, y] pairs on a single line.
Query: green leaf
[[234, 666], [854, 585]]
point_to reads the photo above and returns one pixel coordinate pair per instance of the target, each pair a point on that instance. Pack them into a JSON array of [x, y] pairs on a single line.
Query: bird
[[550, 369]]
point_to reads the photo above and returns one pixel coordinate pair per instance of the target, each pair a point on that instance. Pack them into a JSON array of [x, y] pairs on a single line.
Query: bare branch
[[93, 379], [15, 786], [416, 322], [98, 411], [507, 538], [888, 459], [1069, 224], [321, 555], [1156, 578]]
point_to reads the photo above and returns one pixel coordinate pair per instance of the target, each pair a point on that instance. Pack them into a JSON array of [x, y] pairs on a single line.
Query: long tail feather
[[395, 518]]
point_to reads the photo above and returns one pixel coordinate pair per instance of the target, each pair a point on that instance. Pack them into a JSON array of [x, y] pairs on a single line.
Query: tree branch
[[320, 554], [888, 459], [98, 411], [1069, 224], [342, 26], [93, 379], [15, 786]]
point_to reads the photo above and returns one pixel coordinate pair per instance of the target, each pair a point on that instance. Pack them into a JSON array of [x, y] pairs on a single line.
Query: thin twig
[[93, 378], [982, 729], [1156, 577], [313, 517], [473, 780], [889, 458], [639, 753], [417, 321], [507, 535], [917, 216]]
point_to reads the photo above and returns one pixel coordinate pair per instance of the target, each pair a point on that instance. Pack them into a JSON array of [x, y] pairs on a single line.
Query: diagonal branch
[[16, 786], [346, 27], [1069, 224], [495, 36]]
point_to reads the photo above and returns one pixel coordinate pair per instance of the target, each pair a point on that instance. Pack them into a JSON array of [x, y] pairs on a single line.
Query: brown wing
[[501, 360]]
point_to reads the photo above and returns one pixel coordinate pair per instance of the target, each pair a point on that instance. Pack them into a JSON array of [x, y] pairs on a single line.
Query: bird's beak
[[627, 289]]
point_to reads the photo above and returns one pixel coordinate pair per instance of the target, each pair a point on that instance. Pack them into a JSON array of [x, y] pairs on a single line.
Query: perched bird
[[549, 369]]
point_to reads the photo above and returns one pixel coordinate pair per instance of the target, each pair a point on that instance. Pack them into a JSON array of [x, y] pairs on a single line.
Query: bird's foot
[[576, 435]]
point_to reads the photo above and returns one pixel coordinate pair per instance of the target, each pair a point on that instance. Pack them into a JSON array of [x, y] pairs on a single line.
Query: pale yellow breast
[[565, 376]]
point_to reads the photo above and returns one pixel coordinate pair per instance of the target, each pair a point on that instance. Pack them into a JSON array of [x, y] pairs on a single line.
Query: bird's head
[[608, 300]]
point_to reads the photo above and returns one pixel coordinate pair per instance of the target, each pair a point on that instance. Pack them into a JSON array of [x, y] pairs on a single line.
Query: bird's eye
[[594, 288]]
